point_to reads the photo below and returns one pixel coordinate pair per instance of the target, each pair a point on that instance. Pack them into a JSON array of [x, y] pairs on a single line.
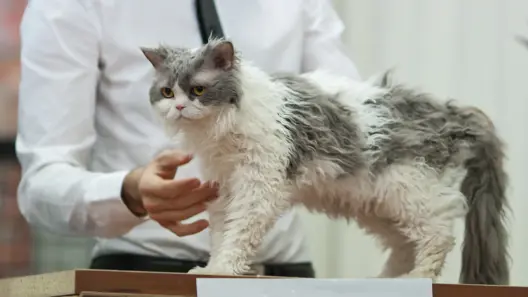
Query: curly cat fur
[[399, 163]]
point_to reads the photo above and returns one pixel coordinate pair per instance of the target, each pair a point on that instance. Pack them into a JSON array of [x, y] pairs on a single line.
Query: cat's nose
[[180, 107]]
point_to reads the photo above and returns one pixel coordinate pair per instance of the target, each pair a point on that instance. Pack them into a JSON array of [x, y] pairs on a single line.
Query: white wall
[[464, 49]]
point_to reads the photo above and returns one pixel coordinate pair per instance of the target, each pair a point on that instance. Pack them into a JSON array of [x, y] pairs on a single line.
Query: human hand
[[153, 191]]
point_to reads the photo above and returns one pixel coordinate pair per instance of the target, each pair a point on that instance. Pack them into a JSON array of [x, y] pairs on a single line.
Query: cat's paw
[[200, 270], [210, 271], [419, 275]]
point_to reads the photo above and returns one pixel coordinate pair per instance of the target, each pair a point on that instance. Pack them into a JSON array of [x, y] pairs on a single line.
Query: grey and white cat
[[399, 163]]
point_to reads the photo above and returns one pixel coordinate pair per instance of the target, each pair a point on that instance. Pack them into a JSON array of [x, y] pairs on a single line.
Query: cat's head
[[194, 84]]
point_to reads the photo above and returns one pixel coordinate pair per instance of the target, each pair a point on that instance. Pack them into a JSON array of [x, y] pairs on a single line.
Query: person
[[95, 162]]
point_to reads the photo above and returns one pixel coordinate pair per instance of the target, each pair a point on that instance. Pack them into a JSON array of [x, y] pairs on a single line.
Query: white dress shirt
[[85, 119]]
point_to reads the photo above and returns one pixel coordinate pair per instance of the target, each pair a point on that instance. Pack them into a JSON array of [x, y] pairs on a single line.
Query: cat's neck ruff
[[261, 100]]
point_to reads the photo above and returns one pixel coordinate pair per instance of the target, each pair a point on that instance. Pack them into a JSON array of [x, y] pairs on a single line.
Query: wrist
[[130, 193]]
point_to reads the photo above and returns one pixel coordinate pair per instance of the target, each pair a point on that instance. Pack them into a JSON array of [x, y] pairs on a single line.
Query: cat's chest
[[218, 168], [221, 158]]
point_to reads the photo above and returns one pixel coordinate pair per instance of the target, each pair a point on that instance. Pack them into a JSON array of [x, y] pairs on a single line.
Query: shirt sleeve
[[323, 47], [57, 96]]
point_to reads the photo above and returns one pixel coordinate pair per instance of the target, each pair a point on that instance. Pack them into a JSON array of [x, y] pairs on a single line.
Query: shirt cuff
[[107, 212]]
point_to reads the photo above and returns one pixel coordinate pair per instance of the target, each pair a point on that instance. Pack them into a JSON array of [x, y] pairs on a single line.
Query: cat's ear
[[155, 56], [223, 55], [383, 80]]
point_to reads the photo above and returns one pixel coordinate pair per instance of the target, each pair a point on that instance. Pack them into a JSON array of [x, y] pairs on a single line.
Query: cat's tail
[[484, 255]]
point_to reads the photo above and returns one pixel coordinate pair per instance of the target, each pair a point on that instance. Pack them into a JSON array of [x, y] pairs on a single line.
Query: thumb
[[166, 164]]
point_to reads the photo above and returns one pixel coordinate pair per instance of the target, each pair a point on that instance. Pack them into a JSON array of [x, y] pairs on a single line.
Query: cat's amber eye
[[198, 90], [167, 92]]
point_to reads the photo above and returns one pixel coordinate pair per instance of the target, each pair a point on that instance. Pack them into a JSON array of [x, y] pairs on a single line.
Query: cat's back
[[420, 125], [320, 84], [314, 97], [319, 125]]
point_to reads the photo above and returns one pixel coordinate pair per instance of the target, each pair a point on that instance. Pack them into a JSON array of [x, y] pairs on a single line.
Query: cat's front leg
[[216, 212], [216, 221], [251, 212]]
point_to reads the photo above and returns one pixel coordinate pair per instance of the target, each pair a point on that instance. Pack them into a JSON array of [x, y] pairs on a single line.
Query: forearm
[[66, 199], [56, 131]]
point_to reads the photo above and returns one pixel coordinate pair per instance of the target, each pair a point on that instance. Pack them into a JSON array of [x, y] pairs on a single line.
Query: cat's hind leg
[[401, 258], [431, 251], [402, 251], [424, 210]]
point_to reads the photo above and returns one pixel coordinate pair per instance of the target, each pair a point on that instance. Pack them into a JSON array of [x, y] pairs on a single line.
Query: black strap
[[7, 150], [208, 20]]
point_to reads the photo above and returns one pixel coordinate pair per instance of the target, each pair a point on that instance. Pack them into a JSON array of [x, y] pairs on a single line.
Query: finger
[[206, 192], [188, 229], [167, 163], [166, 189], [178, 215]]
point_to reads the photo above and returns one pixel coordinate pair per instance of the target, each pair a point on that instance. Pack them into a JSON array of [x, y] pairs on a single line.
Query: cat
[[401, 165]]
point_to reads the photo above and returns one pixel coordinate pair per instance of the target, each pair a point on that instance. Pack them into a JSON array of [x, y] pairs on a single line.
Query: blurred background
[[463, 49]]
